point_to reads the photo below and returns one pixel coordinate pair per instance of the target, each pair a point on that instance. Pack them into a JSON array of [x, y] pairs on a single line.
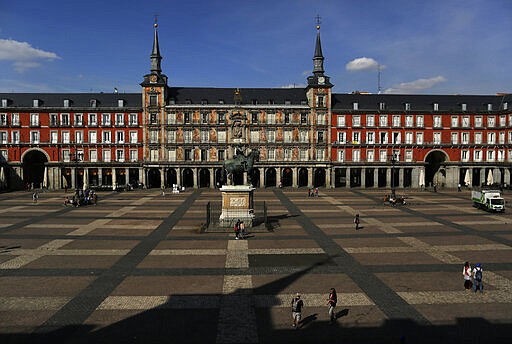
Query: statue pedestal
[[237, 204]]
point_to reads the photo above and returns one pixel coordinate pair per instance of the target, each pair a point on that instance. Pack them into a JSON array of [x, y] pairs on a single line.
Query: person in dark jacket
[[331, 302]]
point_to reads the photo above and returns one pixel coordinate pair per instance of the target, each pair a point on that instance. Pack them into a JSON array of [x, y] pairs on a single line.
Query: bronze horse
[[241, 163]]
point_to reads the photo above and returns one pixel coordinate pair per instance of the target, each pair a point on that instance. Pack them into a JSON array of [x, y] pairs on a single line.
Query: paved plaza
[[137, 268]]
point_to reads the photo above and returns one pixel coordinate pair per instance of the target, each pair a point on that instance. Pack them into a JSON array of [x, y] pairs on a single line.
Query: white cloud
[[23, 55], [362, 64], [416, 85]]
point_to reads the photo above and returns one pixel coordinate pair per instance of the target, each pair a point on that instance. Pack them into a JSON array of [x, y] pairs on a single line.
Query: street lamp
[[77, 157], [393, 162]]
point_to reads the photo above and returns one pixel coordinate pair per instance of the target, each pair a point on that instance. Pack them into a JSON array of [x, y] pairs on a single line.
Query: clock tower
[[154, 96]]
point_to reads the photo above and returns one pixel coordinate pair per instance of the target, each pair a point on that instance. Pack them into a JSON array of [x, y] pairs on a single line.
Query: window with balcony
[[153, 154], [221, 155], [340, 121], [396, 121], [370, 120], [419, 138], [320, 118], [271, 154], [465, 122], [34, 119], [221, 136], [64, 120], [501, 155], [3, 137], [79, 137], [54, 120], [409, 121], [171, 155], [437, 138], [356, 137], [408, 155], [205, 118], [397, 137], [491, 155], [271, 118], [454, 138], [255, 136], [187, 136], [438, 122], [303, 136], [491, 138], [79, 120], [477, 155], [120, 155], [370, 155], [34, 137], [288, 136], [478, 138], [120, 136], [15, 119], [464, 155], [383, 137], [341, 155], [420, 121], [478, 121], [383, 155], [106, 155], [271, 135], [153, 136], [119, 119], [409, 138], [320, 153], [254, 117], [93, 137], [303, 118], [356, 121], [342, 137], [287, 154], [93, 155], [15, 136], [320, 137], [491, 121], [303, 154], [501, 138], [205, 136], [356, 155], [383, 120], [465, 138], [503, 121], [105, 120], [93, 120], [221, 117], [134, 136], [455, 121], [132, 119], [65, 137], [153, 119], [370, 137], [3, 119], [107, 137]]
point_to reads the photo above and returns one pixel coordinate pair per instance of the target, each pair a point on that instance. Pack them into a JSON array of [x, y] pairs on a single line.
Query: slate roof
[[56, 100], [420, 103], [199, 95]]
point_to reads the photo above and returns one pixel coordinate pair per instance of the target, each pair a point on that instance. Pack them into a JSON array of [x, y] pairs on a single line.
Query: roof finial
[[156, 21], [318, 21]]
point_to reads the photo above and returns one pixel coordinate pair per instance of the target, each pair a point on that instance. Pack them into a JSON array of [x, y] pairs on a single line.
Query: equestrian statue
[[241, 163]]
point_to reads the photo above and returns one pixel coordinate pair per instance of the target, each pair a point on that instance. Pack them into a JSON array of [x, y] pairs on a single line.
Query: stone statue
[[237, 130]]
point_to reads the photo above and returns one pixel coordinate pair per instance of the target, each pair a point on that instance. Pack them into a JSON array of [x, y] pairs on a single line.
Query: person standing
[[477, 277], [242, 230], [331, 302], [356, 221], [466, 272], [297, 305], [237, 229], [459, 187], [35, 196]]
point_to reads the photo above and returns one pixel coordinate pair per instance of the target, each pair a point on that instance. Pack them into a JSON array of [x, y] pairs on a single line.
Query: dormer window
[[4, 102], [355, 106], [505, 106], [204, 101], [464, 107], [489, 107], [93, 103], [254, 102], [66, 103], [382, 106], [436, 107], [407, 106], [221, 101], [270, 102], [188, 101], [287, 102], [120, 102], [35, 103]]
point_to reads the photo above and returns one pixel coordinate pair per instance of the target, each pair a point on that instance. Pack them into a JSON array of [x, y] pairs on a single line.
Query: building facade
[[307, 137]]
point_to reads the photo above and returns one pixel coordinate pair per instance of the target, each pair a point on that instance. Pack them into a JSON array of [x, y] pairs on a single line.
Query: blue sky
[[423, 47]]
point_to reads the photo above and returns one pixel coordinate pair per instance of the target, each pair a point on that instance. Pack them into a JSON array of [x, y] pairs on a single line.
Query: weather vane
[[318, 21]]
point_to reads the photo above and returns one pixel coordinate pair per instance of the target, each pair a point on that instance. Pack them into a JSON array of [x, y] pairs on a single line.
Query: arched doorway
[[355, 177], [172, 177], [219, 177], [319, 178], [188, 178], [287, 178], [255, 177], [434, 173], [33, 168], [154, 178], [303, 177], [270, 177], [340, 177], [204, 178]]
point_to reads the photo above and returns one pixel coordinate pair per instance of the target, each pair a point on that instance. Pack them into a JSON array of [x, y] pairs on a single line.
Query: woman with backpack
[[466, 272], [477, 277]]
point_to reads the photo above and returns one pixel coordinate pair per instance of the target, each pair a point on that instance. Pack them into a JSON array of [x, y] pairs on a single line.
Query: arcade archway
[[204, 178], [33, 168], [154, 178], [172, 177], [270, 177], [188, 178], [434, 173], [319, 178], [287, 178], [303, 177]]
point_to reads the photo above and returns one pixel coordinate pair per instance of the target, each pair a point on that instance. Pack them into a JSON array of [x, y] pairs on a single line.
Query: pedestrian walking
[[35, 196], [297, 305], [459, 187], [309, 192], [237, 229], [466, 272], [242, 230], [331, 302], [356, 221], [477, 277]]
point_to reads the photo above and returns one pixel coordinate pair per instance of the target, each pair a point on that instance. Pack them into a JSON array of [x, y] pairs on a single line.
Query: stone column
[[294, 177], [347, 177], [328, 181], [400, 178], [114, 178], [415, 178], [310, 176], [388, 177], [194, 172], [483, 176], [497, 175], [279, 173], [141, 175], [100, 176], [178, 176], [162, 177], [506, 180], [245, 178], [333, 177], [262, 177], [376, 177], [127, 175], [363, 177], [73, 179], [212, 178]]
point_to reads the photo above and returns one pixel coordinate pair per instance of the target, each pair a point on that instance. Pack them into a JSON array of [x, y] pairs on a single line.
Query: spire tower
[[318, 78], [156, 58]]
